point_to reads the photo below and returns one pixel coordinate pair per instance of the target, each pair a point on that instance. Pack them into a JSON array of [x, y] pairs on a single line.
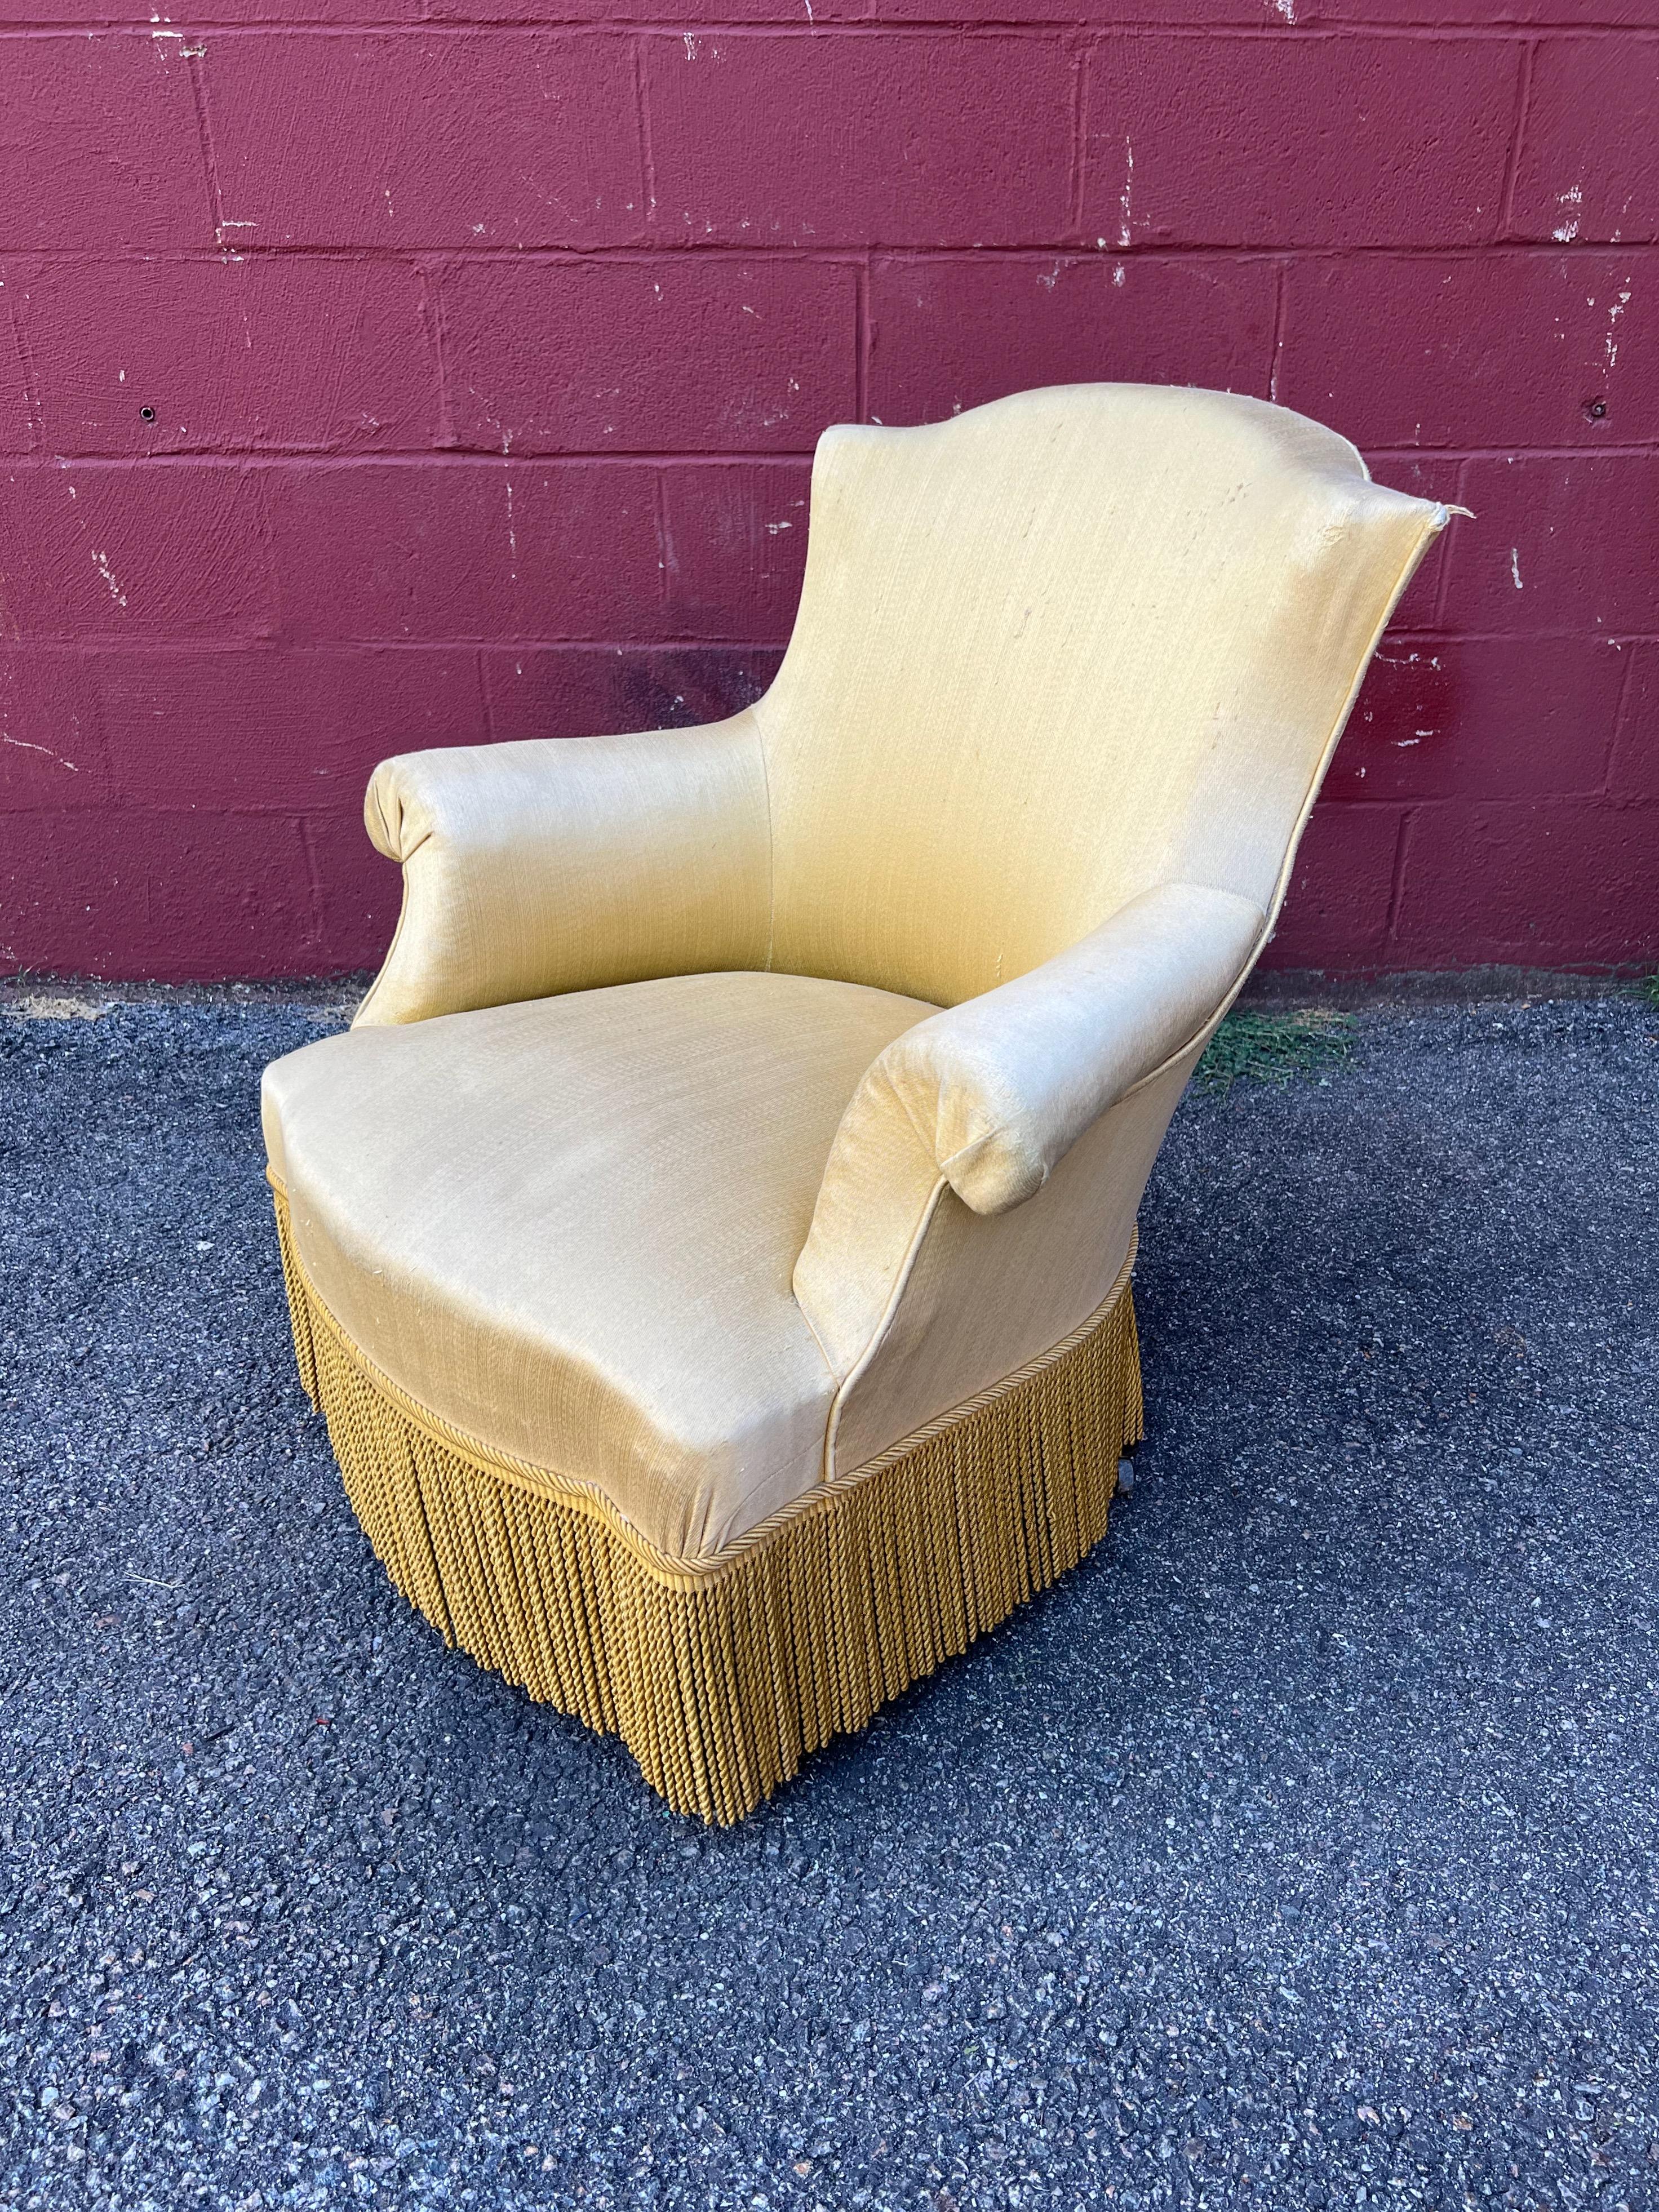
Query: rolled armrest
[[564, 863], [988, 1097], [1002, 1086]]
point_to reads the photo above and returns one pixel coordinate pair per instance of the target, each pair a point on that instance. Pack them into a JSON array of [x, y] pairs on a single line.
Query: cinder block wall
[[373, 378]]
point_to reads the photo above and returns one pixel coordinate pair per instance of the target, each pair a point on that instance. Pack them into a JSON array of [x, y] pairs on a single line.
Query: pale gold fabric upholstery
[[1054, 652], [1066, 673], [530, 869], [568, 1226], [978, 1294]]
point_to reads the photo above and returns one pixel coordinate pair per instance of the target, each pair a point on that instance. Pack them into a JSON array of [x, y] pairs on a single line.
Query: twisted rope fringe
[[721, 1675]]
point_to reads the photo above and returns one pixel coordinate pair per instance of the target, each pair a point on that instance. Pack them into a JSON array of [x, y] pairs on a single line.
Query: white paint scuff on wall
[[1127, 203], [1613, 313], [115, 590], [23, 745]]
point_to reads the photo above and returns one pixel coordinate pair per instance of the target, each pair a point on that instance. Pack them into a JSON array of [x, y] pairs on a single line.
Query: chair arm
[[1001, 1086], [987, 1097], [561, 863]]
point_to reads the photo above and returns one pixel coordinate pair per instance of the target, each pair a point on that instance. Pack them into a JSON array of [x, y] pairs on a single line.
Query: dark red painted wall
[[484, 360]]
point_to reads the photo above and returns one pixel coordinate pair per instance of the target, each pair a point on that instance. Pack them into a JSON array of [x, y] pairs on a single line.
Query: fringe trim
[[721, 1675]]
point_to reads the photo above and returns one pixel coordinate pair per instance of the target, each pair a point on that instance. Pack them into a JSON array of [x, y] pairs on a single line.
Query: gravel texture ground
[[1299, 1850]]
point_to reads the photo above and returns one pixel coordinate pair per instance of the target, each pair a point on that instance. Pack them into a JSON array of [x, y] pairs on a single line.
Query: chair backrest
[[1053, 652]]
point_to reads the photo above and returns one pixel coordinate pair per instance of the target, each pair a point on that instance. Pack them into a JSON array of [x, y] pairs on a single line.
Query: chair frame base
[[721, 1674]]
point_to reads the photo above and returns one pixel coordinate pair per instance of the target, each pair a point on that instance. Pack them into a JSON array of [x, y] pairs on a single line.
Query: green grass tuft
[[1252, 1047], [1649, 987]]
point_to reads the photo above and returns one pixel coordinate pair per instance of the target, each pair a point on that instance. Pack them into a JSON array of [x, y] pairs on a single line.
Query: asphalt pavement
[[1298, 1851]]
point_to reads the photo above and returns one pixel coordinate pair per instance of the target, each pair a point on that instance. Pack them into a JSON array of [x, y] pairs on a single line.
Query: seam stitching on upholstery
[[928, 1138], [829, 1365], [1438, 521], [1206, 1028], [973, 1144], [771, 837], [404, 903], [878, 1334]]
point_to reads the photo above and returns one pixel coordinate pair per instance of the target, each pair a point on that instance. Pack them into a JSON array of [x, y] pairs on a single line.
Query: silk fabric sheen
[[983, 867], [568, 1226]]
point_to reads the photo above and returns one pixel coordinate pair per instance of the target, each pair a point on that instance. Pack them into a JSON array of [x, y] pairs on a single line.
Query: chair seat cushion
[[567, 1227]]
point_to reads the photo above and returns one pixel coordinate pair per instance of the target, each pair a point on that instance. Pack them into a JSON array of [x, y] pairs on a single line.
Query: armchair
[[711, 1243]]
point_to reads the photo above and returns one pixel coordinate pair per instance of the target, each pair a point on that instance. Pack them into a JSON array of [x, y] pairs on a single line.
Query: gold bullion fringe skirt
[[721, 1675]]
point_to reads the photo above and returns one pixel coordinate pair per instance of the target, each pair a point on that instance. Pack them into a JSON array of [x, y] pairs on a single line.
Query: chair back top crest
[[1053, 652]]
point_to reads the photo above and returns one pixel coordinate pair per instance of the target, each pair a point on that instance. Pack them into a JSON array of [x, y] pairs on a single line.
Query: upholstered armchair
[[711, 1243]]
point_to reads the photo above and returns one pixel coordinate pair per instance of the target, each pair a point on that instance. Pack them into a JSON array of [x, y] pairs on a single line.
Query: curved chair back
[[1050, 655]]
